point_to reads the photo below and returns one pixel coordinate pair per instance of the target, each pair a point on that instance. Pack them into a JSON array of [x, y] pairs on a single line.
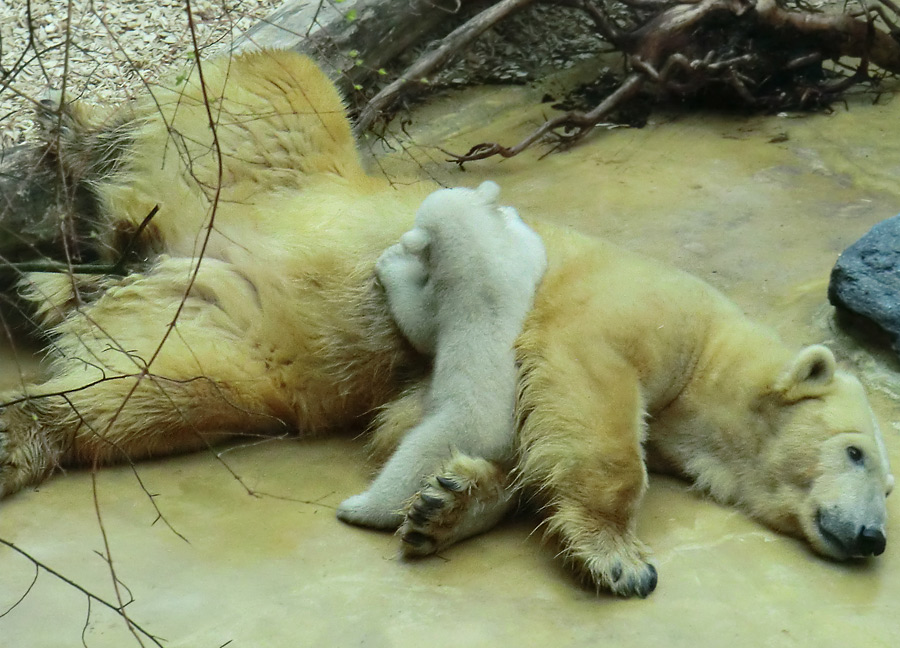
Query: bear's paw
[[468, 496], [618, 565]]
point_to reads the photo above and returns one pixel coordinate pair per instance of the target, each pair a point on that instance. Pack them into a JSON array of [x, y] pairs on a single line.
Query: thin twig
[[90, 595], [37, 572], [132, 628]]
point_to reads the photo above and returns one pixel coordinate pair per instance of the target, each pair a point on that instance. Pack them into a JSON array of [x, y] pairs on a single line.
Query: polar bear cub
[[459, 286]]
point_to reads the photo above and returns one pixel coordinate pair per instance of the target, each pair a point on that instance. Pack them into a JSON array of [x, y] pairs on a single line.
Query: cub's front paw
[[397, 265], [404, 276]]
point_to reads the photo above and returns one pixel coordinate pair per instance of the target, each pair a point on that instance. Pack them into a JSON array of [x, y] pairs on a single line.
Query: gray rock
[[866, 279]]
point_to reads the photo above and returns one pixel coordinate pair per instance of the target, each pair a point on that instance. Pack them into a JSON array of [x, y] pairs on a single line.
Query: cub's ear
[[809, 375], [489, 192]]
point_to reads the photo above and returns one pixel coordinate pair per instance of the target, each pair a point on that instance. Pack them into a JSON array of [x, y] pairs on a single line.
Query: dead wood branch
[[456, 41], [353, 39], [756, 52], [567, 129]]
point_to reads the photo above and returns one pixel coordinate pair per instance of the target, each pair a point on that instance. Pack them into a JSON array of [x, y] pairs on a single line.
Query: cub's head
[[470, 235], [826, 470]]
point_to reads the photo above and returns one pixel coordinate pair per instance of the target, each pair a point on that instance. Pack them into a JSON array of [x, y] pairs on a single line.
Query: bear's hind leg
[[581, 455], [119, 392], [77, 421]]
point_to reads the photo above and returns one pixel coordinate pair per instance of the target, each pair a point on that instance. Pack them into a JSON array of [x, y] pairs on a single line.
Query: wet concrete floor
[[758, 206]]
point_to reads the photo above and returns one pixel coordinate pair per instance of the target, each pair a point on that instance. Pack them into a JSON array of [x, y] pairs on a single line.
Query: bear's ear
[[489, 192], [809, 375]]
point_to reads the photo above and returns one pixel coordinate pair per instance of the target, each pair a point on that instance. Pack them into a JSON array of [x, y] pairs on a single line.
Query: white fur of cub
[[459, 285]]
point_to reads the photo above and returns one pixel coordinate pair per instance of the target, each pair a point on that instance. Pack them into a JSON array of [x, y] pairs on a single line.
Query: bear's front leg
[[402, 272], [580, 453]]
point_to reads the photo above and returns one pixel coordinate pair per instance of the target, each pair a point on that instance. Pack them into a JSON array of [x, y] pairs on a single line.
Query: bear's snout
[[847, 540], [870, 542]]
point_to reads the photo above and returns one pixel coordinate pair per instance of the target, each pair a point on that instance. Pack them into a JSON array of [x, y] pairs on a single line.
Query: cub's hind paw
[[361, 510], [468, 497], [429, 520]]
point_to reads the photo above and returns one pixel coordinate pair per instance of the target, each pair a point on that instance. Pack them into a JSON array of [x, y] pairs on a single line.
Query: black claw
[[616, 572], [430, 502], [649, 583], [417, 516], [416, 539], [449, 484]]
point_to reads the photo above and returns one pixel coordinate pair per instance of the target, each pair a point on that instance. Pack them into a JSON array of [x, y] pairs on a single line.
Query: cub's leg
[[119, 392], [403, 273], [467, 496], [581, 455], [483, 265]]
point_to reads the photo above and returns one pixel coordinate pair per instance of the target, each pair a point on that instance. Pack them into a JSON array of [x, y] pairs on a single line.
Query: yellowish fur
[[282, 327]]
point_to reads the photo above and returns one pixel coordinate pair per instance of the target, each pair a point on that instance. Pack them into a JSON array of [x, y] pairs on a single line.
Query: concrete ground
[[760, 207]]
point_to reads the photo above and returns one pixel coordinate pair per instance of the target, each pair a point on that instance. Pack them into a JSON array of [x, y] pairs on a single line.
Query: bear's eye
[[855, 454]]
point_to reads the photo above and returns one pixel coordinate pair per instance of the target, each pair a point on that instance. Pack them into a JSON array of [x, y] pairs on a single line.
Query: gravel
[[105, 50]]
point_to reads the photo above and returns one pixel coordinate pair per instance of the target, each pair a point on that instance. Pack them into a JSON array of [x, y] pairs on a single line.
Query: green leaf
[[351, 15]]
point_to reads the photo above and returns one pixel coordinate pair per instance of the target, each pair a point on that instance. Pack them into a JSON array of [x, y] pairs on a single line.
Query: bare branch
[[456, 41], [582, 122]]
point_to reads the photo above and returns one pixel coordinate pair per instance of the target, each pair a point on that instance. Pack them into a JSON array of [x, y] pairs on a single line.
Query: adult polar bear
[[282, 326]]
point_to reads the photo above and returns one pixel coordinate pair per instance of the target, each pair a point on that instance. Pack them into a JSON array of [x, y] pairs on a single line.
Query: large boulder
[[866, 279]]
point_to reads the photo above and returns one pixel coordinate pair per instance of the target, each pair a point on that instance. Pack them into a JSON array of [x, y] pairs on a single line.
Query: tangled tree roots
[[761, 54]]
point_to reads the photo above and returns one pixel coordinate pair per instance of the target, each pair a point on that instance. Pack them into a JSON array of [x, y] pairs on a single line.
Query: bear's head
[[472, 235], [826, 474]]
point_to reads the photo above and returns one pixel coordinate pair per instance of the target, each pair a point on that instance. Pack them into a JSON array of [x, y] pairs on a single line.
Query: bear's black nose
[[870, 542]]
